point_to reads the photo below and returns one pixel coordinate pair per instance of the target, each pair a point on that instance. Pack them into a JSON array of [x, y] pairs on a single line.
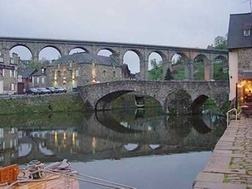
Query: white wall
[[233, 73]]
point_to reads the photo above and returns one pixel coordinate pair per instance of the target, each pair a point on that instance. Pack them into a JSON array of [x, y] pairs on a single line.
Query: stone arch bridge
[[99, 96], [118, 50]]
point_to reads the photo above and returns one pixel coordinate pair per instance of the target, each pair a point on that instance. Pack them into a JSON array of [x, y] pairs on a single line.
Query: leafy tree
[[220, 42], [156, 72]]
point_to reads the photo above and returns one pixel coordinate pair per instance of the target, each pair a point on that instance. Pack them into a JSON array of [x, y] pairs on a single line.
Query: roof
[[26, 72], [39, 72], [86, 58], [237, 24]]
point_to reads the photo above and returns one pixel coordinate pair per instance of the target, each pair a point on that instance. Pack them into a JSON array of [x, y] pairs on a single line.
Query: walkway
[[230, 166]]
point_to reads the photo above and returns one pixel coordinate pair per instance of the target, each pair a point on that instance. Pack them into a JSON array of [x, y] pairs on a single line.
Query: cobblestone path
[[230, 166]]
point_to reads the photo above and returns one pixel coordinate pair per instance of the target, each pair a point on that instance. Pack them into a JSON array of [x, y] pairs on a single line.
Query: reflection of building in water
[[69, 141], [8, 144]]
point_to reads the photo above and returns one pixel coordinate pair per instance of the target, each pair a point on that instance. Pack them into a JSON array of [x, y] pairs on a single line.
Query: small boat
[[36, 175], [57, 175]]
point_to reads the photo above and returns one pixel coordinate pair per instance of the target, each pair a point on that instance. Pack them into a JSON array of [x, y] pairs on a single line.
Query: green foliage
[[220, 73], [198, 70], [178, 70], [220, 42], [156, 73]]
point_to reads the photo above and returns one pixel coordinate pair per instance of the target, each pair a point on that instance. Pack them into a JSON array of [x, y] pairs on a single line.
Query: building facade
[[80, 69], [25, 79], [240, 57], [8, 74]]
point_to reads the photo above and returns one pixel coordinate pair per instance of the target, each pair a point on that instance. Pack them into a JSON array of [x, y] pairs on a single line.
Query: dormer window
[[246, 32]]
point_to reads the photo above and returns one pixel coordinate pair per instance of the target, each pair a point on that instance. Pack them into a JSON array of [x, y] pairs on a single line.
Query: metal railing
[[237, 113]]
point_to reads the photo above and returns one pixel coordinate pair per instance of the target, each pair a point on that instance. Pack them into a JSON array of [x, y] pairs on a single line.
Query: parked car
[[43, 91], [60, 90], [33, 91], [52, 89]]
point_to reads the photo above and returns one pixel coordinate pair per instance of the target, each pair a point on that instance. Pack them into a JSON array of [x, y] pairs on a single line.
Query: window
[[37, 79], [12, 86], [58, 74], [246, 32], [1, 59], [114, 73], [1, 72], [42, 80], [104, 73], [77, 73]]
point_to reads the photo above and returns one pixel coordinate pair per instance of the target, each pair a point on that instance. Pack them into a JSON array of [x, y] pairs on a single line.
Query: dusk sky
[[186, 23]]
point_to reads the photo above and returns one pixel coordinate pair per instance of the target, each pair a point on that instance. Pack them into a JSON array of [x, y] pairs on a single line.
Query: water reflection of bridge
[[103, 136]]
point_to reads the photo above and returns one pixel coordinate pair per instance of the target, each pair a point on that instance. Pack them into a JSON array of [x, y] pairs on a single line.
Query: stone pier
[[230, 166]]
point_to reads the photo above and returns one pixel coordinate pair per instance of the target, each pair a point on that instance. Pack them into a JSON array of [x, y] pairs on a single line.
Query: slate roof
[[86, 58], [26, 72], [237, 24], [39, 73]]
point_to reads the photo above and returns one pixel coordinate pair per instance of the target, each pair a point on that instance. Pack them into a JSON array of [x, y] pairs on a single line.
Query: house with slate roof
[[24, 79], [82, 68], [240, 57]]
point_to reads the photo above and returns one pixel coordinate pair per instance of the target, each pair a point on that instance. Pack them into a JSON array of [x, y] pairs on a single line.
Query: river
[[141, 148]]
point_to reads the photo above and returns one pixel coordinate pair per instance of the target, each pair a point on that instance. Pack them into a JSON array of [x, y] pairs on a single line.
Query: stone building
[[240, 57], [24, 79], [82, 68], [40, 78], [8, 74]]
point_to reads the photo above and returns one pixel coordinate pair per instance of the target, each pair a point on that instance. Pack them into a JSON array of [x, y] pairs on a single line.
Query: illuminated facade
[[240, 57], [82, 68]]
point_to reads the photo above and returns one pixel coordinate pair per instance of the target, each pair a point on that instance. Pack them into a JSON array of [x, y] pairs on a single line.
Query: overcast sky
[[189, 23]]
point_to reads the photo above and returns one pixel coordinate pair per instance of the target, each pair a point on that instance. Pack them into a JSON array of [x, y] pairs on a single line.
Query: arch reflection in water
[[103, 136]]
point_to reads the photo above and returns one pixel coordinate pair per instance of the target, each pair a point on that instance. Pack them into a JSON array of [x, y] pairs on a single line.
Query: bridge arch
[[155, 62], [220, 67], [197, 103], [23, 51], [202, 67], [104, 102], [106, 52], [178, 101], [133, 58], [179, 65], [53, 51], [78, 49]]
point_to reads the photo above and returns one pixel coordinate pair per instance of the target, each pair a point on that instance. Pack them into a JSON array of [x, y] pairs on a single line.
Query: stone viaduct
[[99, 96], [118, 50]]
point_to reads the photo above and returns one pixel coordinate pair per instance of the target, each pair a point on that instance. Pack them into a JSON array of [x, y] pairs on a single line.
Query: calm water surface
[[141, 148]]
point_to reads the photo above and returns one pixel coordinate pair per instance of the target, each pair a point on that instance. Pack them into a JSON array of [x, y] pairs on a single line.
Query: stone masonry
[[99, 96], [230, 166]]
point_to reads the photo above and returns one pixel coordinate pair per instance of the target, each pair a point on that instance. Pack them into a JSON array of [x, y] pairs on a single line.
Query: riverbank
[[230, 166], [23, 104]]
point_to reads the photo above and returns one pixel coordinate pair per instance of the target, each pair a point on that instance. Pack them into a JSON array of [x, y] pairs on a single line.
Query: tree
[[157, 70], [220, 42], [168, 75]]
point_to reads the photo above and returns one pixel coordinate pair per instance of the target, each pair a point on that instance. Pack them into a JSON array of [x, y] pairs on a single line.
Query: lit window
[[246, 32]]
